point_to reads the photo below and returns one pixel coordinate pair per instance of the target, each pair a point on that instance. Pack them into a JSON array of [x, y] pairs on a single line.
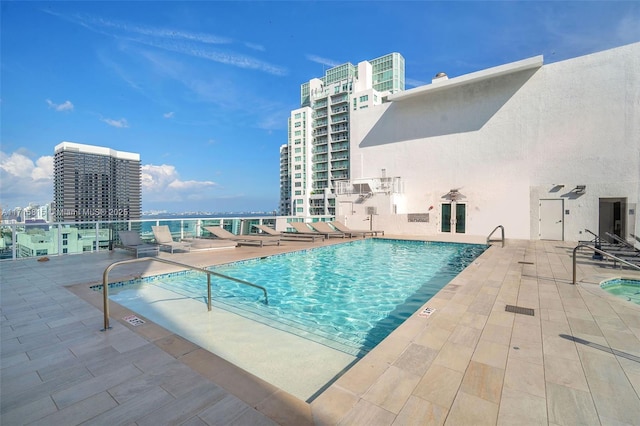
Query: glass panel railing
[[24, 240]]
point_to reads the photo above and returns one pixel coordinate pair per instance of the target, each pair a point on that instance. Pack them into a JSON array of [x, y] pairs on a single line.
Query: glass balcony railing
[[29, 240]]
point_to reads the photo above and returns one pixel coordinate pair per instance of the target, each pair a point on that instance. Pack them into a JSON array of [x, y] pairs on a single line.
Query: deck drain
[[525, 263], [519, 310]]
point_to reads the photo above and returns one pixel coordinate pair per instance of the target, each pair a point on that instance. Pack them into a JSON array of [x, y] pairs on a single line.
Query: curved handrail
[[105, 282], [601, 252], [492, 232]]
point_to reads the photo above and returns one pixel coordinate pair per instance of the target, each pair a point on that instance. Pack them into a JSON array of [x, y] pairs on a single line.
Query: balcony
[[36, 240], [335, 147], [339, 99], [386, 185]]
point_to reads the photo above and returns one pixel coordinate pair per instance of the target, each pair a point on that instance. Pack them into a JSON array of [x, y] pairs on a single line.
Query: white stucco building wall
[[516, 141]]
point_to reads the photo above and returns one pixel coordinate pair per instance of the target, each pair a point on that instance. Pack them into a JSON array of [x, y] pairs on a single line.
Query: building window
[[298, 167], [297, 133], [298, 158], [300, 209], [364, 98], [298, 124], [298, 193], [298, 184], [297, 115], [298, 150]]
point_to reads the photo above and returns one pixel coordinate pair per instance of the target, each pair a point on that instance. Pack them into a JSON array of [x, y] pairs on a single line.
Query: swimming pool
[[346, 296], [627, 289]]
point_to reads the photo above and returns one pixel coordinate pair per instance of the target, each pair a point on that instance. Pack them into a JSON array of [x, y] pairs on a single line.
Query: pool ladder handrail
[[615, 258], [489, 240], [105, 282]]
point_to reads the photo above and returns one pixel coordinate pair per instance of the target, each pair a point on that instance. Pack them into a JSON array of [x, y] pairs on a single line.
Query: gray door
[[552, 220]]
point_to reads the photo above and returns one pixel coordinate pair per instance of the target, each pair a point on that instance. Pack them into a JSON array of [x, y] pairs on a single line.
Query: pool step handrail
[[105, 282], [489, 240], [602, 252]]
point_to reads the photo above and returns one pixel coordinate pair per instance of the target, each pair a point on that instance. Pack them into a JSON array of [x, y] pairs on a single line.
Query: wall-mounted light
[[579, 189]]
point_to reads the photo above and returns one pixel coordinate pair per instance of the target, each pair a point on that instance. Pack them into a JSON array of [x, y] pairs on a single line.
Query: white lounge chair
[[289, 236], [324, 229], [302, 228], [242, 240], [344, 228], [131, 241], [165, 239]]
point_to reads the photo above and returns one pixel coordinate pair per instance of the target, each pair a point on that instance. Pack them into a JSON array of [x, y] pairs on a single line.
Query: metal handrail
[[494, 230], [601, 252], [105, 282]]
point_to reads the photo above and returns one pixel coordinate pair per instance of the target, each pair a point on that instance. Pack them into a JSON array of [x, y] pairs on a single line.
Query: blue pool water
[[623, 288], [347, 296]]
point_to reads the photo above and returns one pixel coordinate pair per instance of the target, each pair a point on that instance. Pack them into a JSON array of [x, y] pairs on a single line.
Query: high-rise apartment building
[[318, 143], [95, 183]]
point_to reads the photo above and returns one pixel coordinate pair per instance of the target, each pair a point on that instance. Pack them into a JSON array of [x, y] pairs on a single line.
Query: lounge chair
[[343, 228], [327, 231], [622, 242], [303, 229], [131, 241], [289, 236], [242, 240], [165, 239]]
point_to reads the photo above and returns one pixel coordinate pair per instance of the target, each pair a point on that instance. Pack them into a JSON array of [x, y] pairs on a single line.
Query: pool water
[[623, 288], [346, 296]]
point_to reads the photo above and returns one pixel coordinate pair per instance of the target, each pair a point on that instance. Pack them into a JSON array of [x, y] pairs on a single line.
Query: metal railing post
[[105, 282], [602, 252], [494, 230], [209, 292]]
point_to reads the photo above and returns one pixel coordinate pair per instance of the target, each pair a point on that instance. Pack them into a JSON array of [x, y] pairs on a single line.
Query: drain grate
[[522, 262], [519, 310]]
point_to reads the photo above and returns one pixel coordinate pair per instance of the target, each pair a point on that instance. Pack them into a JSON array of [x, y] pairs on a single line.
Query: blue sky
[[202, 90]]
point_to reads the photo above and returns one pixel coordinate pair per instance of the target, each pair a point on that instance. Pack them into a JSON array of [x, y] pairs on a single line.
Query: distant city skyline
[[202, 90]]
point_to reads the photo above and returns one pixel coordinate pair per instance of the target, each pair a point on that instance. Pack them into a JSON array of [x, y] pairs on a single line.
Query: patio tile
[[520, 408], [332, 405], [439, 385], [483, 381], [82, 411], [393, 389], [472, 410], [454, 356], [492, 354], [416, 359], [367, 413], [569, 406], [418, 411], [525, 376]]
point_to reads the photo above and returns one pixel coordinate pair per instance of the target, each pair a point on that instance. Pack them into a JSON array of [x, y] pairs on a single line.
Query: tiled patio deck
[[576, 361]]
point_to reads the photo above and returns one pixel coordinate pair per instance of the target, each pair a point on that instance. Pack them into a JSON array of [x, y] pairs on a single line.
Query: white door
[[552, 220]]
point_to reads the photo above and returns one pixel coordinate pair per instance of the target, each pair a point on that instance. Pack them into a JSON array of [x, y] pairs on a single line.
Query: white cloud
[[168, 114], [122, 123], [162, 183], [255, 46], [25, 181], [65, 106], [324, 61], [628, 30], [183, 42]]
